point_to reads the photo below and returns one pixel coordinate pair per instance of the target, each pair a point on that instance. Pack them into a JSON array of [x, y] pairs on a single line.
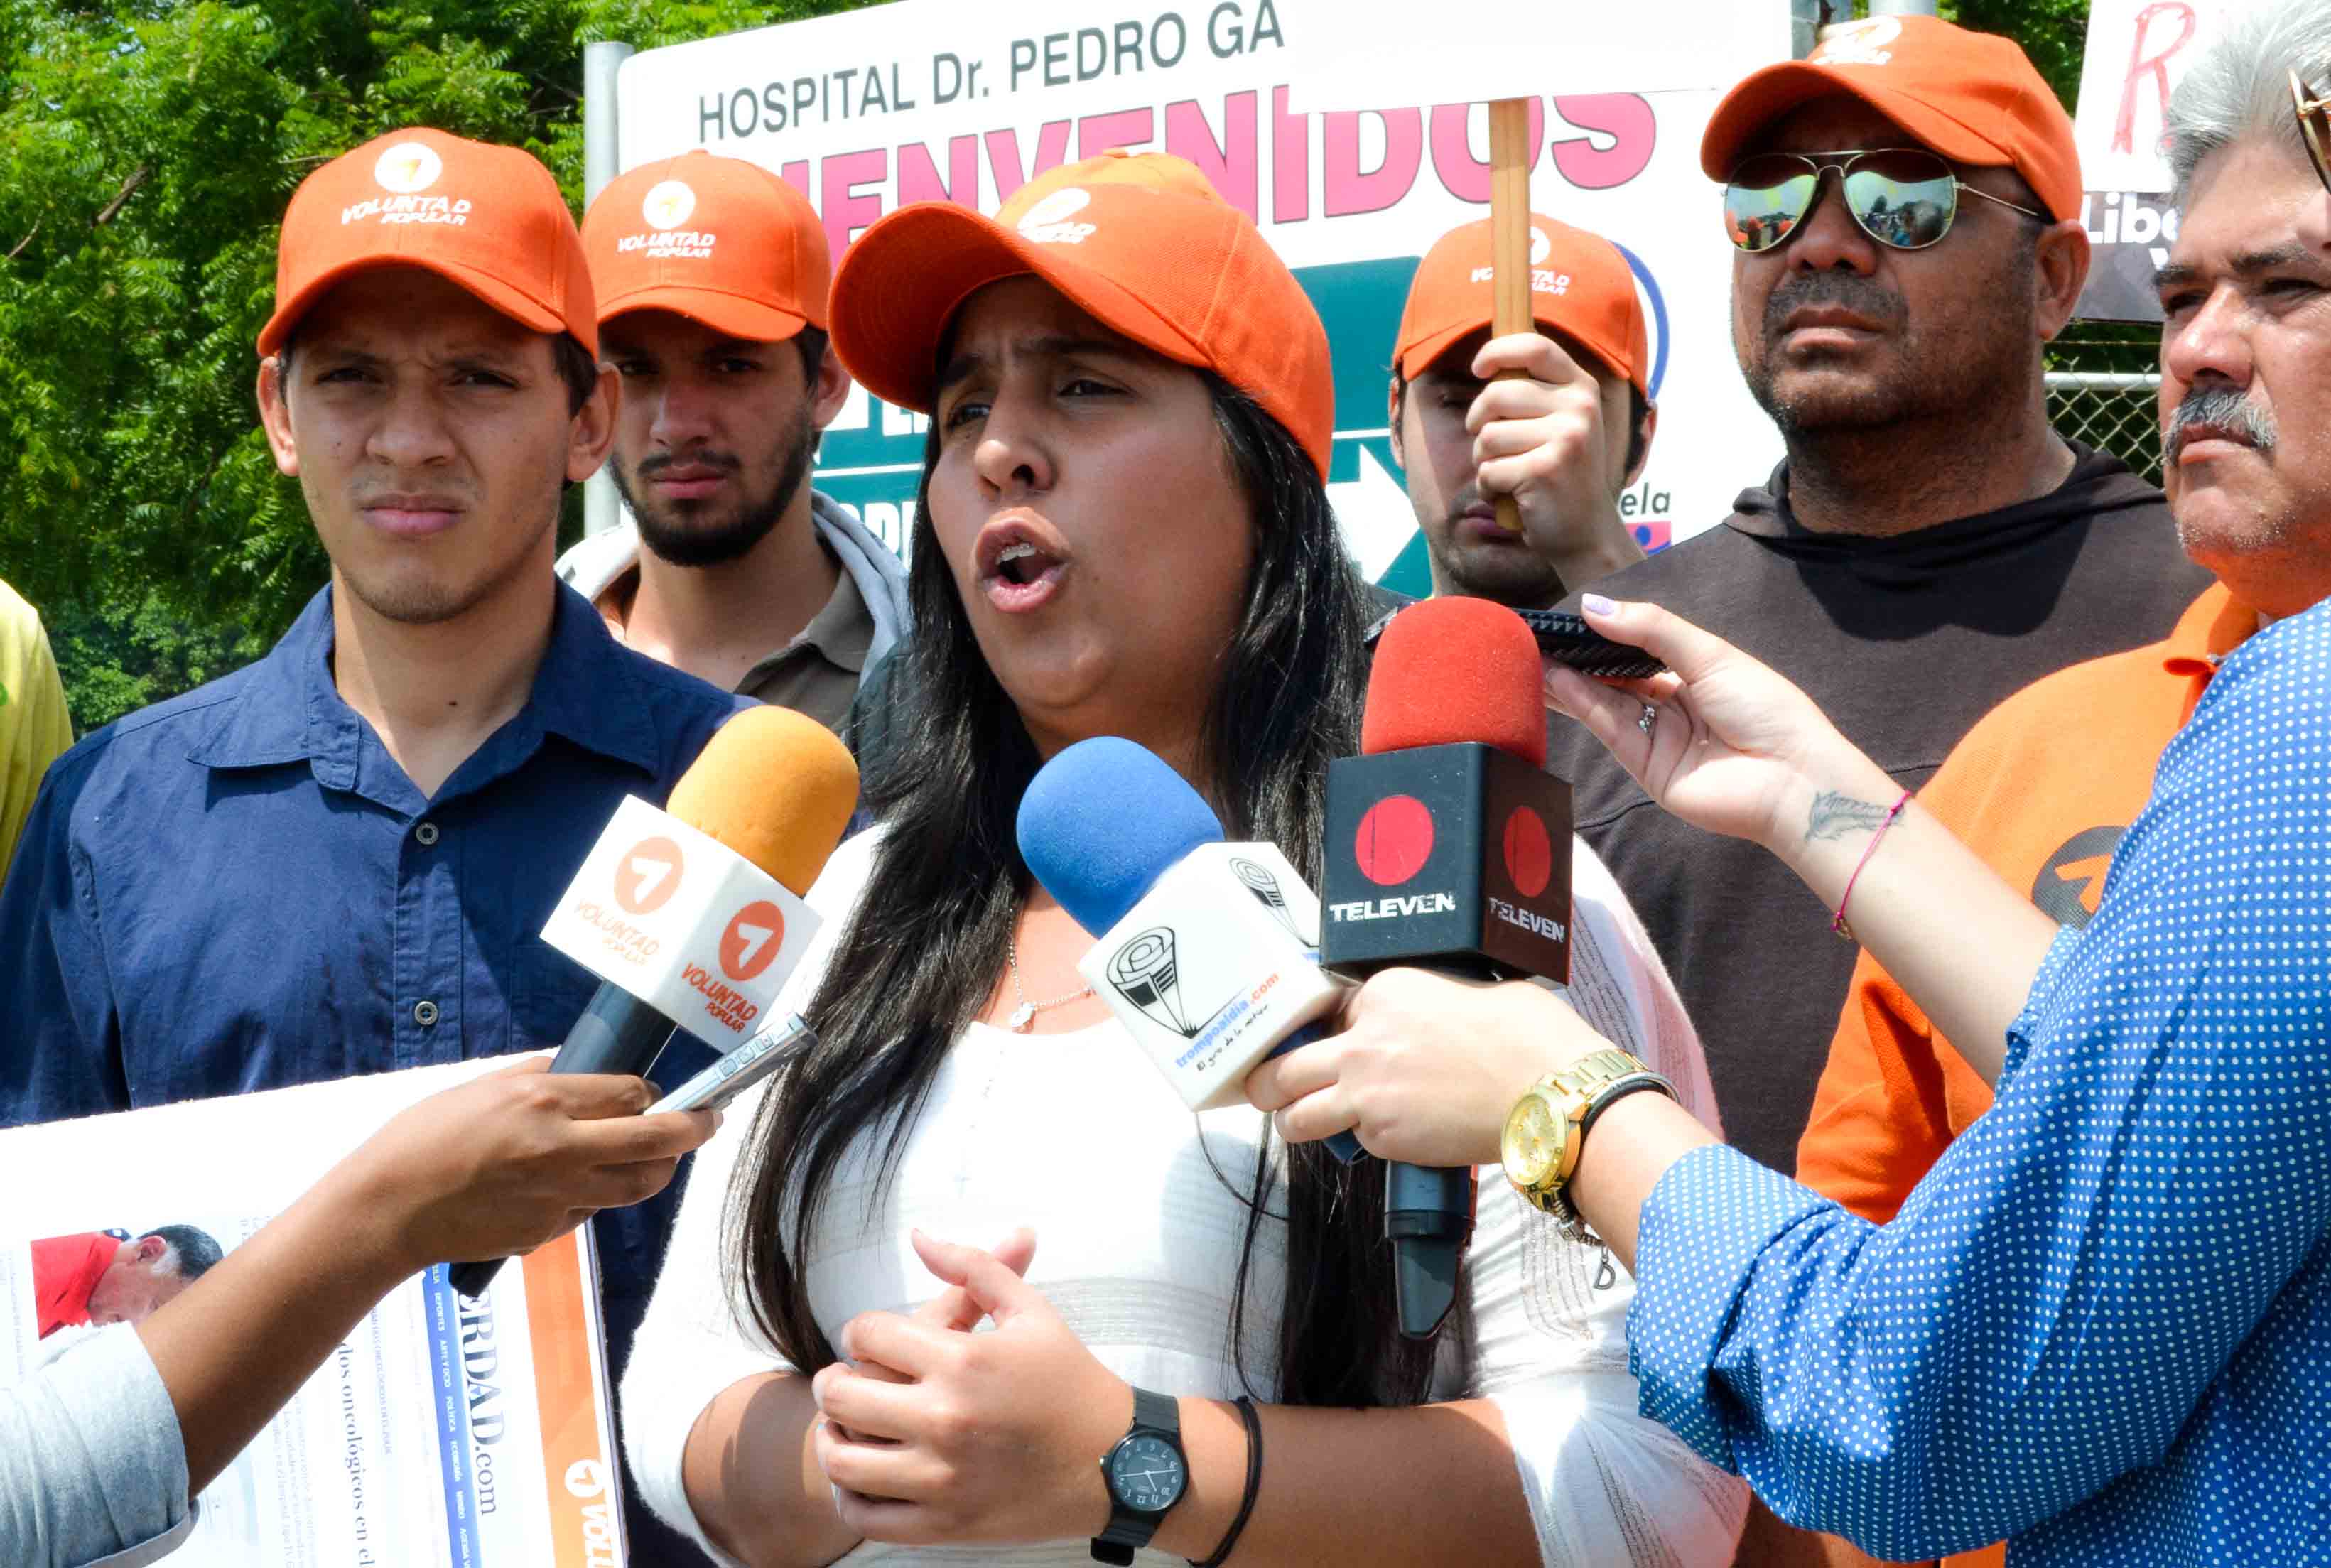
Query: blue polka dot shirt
[[2101, 1326]]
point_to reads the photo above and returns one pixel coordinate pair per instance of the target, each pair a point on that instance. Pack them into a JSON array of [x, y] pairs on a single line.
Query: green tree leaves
[[2053, 33]]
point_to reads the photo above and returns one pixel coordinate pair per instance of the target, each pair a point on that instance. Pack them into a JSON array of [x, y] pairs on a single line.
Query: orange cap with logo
[[1972, 97], [717, 239], [1580, 287], [1141, 243], [488, 218]]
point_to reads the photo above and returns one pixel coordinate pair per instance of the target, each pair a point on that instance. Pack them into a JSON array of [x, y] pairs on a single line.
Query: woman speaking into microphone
[[1122, 529]]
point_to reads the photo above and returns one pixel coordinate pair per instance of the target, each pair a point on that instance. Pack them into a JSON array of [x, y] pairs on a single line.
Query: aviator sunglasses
[[2313, 128], [1903, 197]]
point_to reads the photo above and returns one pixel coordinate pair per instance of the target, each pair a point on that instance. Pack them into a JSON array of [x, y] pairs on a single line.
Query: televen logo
[[1529, 852], [1395, 840]]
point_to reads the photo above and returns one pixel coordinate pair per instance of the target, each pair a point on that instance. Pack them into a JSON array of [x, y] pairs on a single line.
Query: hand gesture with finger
[[954, 1309], [969, 1437]]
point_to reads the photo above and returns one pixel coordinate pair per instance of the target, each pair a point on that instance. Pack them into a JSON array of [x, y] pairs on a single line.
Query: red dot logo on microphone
[[1395, 840], [750, 945], [648, 875], [1529, 852]]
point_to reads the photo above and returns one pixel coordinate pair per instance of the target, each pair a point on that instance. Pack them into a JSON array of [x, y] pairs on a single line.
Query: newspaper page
[[443, 1430]]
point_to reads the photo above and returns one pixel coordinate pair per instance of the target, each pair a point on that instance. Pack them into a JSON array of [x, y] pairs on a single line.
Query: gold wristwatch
[[1548, 1124]]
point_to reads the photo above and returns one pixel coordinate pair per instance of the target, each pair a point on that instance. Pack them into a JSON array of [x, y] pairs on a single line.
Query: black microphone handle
[[1428, 1210], [617, 1033], [1428, 1220]]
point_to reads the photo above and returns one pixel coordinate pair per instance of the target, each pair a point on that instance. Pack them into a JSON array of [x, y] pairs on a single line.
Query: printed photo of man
[[102, 1276]]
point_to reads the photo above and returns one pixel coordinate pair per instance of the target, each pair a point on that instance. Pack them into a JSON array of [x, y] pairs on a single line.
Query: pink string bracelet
[[1837, 921]]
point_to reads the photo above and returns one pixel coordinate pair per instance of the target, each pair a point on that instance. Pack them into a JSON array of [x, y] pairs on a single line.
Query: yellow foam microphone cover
[[776, 786]]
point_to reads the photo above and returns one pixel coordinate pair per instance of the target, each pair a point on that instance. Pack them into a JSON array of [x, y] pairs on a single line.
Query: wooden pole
[[1509, 240]]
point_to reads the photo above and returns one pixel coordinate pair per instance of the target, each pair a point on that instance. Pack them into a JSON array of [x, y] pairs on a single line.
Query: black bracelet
[[1253, 1483], [1612, 1094]]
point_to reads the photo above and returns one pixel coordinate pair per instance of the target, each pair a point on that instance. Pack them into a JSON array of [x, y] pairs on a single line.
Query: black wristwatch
[[1146, 1473]]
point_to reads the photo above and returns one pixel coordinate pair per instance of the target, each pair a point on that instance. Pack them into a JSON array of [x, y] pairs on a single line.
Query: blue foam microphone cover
[[1103, 821]]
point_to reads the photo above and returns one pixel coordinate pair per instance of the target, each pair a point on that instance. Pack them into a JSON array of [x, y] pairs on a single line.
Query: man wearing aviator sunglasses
[[1904, 211]]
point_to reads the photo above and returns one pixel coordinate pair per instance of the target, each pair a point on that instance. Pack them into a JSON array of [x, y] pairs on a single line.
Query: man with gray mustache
[[2217, 414]]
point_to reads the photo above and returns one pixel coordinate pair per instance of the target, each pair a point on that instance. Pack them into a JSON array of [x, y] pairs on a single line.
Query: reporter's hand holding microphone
[[1424, 1067], [1435, 1071], [498, 1167]]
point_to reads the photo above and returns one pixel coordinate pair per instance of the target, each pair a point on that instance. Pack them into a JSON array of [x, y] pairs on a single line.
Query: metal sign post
[[601, 507]]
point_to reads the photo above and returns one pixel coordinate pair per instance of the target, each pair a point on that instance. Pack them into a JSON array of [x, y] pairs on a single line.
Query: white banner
[[933, 100], [2138, 50]]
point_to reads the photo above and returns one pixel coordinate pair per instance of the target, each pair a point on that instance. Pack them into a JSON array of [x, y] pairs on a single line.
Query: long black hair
[[918, 961]]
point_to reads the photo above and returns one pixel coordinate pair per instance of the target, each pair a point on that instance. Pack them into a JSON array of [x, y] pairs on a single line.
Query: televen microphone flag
[[1448, 849], [692, 917]]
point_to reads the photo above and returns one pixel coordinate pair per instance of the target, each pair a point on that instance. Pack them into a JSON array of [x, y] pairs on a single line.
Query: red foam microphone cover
[[1450, 670]]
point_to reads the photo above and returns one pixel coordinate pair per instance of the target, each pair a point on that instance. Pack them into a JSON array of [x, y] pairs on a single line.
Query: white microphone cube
[[683, 922], [1214, 967]]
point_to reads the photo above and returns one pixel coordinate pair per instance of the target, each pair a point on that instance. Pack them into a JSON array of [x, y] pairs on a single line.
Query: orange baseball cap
[[1140, 242], [717, 239], [488, 218], [1116, 166], [1580, 287], [1972, 97]]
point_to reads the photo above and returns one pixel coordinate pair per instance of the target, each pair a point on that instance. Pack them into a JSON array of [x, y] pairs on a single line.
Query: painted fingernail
[[1596, 605]]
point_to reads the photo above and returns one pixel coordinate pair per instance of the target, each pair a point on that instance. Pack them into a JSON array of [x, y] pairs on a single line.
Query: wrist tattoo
[[1834, 815]]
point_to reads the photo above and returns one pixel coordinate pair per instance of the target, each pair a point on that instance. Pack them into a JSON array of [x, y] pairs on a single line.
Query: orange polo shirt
[[66, 1270], [2042, 788]]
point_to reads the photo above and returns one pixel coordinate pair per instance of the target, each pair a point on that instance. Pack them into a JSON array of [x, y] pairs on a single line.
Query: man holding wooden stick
[[1555, 418]]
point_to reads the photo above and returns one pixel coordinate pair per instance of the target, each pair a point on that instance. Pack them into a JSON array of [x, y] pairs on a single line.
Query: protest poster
[[442, 1431], [926, 100], [2137, 51]]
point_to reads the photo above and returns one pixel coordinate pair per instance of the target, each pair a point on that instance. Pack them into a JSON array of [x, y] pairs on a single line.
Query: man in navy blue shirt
[[337, 861]]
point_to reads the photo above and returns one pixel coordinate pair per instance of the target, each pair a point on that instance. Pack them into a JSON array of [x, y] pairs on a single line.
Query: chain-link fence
[[2102, 382]]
